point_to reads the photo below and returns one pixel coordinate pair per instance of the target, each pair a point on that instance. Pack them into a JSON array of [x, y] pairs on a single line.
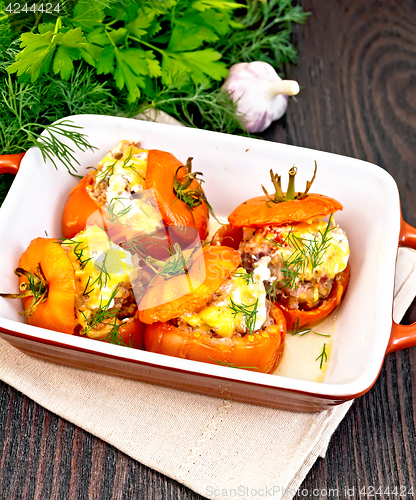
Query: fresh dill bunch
[[265, 34], [82, 94]]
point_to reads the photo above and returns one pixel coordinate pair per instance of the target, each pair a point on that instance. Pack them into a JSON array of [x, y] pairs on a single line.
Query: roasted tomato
[[137, 192], [47, 273], [293, 238], [79, 287], [225, 319]]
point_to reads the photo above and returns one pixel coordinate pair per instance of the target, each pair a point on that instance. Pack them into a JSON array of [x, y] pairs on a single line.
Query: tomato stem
[[291, 194], [36, 286]]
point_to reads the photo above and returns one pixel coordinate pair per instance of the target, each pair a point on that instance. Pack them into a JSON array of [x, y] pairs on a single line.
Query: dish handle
[[403, 336], [9, 164]]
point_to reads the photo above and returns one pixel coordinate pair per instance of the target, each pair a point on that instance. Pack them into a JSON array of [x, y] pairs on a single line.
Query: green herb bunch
[[120, 57]]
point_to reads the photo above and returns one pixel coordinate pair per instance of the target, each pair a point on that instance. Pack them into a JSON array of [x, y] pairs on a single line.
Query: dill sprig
[[113, 214], [232, 365], [249, 312], [174, 266], [12, 99], [102, 278], [313, 250], [323, 357], [307, 252], [247, 277], [106, 172], [77, 250], [283, 243], [136, 246], [106, 315]]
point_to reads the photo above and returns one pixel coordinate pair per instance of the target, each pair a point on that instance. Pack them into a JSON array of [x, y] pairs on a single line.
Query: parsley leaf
[[132, 66], [88, 15], [196, 66], [39, 50]]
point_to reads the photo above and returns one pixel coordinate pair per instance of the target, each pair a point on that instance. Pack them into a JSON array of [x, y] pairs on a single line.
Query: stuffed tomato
[[137, 192], [80, 286], [224, 319], [295, 237]]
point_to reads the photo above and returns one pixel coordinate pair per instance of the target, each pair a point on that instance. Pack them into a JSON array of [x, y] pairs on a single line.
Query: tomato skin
[[259, 211], [229, 236], [259, 352], [79, 207], [131, 333], [161, 169], [58, 311], [296, 318], [169, 299]]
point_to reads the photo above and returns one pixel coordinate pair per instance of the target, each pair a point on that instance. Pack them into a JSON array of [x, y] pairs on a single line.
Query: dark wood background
[[357, 70]]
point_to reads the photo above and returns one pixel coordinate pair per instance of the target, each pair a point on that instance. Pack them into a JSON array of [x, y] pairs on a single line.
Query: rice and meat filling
[[303, 260], [104, 274], [238, 308], [121, 172], [123, 307]]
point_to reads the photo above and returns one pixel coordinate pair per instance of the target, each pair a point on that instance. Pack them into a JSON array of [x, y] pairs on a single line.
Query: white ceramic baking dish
[[234, 168]]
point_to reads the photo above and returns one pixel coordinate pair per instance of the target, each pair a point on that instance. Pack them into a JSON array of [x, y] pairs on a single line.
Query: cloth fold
[[208, 444]]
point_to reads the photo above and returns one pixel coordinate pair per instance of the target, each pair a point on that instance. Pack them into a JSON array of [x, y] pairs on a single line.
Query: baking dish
[[234, 168]]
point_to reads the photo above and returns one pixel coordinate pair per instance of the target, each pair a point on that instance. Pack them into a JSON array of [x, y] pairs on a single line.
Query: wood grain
[[357, 70]]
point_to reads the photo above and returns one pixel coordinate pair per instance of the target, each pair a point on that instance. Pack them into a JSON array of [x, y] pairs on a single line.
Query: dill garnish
[[249, 313], [106, 172], [113, 214], [232, 365], [102, 278], [323, 357], [247, 277], [106, 315], [78, 251], [308, 253], [177, 263], [303, 331], [136, 246]]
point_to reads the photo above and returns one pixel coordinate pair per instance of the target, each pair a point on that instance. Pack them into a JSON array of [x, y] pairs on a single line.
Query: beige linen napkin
[[220, 449]]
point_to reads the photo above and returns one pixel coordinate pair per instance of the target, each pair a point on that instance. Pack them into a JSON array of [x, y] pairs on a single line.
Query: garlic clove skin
[[261, 95]]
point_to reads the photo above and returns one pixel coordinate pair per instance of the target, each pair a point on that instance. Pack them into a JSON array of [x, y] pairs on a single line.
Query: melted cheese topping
[[323, 249], [125, 165], [243, 293], [128, 202], [100, 267]]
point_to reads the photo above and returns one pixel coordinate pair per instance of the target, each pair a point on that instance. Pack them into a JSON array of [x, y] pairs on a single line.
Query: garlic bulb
[[261, 95]]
